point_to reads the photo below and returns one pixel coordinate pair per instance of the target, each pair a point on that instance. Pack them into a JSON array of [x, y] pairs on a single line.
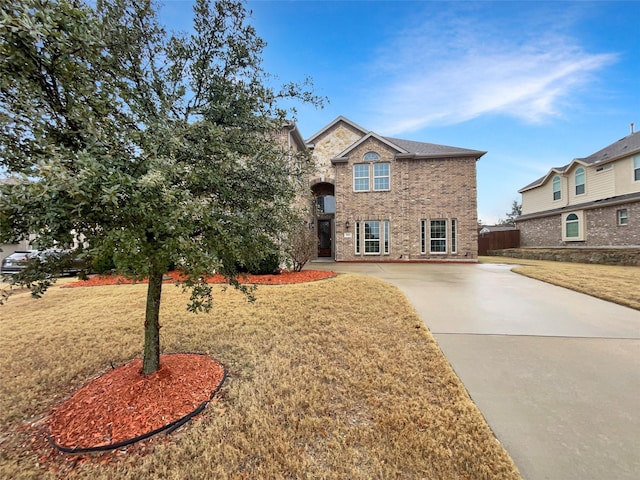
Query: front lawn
[[333, 379]]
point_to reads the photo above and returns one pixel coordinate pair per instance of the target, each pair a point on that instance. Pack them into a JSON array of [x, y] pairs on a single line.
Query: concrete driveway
[[556, 373]]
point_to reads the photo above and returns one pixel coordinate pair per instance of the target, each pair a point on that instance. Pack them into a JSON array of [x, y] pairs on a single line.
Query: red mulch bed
[[283, 278], [124, 404]]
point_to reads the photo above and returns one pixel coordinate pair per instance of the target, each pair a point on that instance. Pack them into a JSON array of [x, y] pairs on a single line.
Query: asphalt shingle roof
[[422, 148], [623, 147]]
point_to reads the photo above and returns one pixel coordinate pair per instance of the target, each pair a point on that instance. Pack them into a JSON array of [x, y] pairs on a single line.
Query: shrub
[[303, 245]]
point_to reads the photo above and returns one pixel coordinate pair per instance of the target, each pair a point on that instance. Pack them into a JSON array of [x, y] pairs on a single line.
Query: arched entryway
[[324, 215]]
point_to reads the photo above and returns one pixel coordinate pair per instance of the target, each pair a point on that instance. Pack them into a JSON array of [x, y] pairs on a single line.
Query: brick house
[[386, 199], [591, 202]]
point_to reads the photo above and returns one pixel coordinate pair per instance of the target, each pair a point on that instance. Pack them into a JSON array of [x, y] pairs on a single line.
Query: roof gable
[[310, 141], [624, 147], [343, 156]]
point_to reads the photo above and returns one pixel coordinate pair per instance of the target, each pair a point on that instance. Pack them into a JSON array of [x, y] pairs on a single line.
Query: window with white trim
[[361, 177], [579, 177], [557, 188], [636, 168], [371, 157], [438, 236], [372, 237], [572, 227], [623, 217], [373, 175], [381, 176]]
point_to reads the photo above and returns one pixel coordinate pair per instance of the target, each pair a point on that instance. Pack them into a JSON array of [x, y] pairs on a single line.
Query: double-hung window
[[372, 237], [636, 168], [381, 176], [557, 188], [579, 176], [361, 177], [438, 236], [371, 175], [623, 216]]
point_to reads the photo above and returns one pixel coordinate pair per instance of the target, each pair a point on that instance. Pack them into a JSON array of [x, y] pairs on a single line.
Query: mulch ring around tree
[[124, 406], [114, 412], [284, 278]]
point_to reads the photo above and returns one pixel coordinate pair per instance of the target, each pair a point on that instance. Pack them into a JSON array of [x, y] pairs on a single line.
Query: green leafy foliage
[[148, 148]]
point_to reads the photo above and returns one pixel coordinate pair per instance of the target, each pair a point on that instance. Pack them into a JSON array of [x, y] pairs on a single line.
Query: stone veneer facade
[[421, 189]]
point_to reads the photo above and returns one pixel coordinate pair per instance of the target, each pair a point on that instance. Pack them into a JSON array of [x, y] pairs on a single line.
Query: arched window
[[371, 157], [579, 181], [572, 226], [557, 189]]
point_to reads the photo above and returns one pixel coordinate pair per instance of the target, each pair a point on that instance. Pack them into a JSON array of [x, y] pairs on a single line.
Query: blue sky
[[535, 84]]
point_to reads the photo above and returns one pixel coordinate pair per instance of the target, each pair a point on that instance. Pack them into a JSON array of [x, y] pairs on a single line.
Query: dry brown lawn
[[618, 284], [337, 379]]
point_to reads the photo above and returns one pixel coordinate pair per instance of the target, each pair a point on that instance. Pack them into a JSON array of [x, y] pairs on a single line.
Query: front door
[[324, 238]]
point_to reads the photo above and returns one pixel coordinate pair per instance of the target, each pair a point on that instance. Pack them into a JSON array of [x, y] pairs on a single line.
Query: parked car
[[17, 261]]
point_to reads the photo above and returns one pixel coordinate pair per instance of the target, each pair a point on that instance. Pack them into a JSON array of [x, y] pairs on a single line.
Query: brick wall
[[541, 232], [602, 229], [419, 190]]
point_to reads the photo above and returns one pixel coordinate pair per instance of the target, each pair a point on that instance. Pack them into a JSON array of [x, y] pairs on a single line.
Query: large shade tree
[[153, 149]]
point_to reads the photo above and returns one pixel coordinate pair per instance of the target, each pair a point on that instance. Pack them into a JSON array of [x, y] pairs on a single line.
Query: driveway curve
[[556, 373]]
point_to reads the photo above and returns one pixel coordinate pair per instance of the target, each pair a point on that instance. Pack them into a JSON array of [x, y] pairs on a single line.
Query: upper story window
[[604, 168], [557, 188], [361, 177], [636, 168], [371, 157], [579, 175], [373, 174], [381, 176]]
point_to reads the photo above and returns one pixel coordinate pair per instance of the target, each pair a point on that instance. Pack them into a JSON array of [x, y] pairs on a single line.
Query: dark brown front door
[[324, 238]]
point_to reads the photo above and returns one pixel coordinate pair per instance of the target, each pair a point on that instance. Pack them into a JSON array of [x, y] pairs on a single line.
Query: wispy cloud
[[456, 67]]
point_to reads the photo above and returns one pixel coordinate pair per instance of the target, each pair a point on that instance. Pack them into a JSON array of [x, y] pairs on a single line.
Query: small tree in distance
[[516, 211], [153, 149]]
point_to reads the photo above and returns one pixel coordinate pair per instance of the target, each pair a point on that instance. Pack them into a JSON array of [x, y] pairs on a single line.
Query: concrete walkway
[[556, 373]]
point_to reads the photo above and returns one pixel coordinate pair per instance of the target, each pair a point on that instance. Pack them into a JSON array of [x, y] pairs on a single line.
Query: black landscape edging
[[169, 427]]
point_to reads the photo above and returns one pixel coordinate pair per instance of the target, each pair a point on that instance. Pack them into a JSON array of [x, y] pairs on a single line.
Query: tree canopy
[[152, 148]]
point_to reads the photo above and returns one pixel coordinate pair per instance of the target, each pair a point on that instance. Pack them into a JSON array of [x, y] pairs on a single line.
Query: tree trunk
[[151, 355]]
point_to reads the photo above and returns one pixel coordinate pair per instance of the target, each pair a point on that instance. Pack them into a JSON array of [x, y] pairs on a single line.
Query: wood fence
[[498, 240]]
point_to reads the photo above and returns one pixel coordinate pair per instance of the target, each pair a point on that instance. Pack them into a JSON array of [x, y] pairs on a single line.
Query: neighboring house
[[591, 202], [381, 198]]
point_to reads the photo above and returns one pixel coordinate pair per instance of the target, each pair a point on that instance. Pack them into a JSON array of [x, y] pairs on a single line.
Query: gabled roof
[[408, 149], [310, 141], [344, 155], [622, 148]]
